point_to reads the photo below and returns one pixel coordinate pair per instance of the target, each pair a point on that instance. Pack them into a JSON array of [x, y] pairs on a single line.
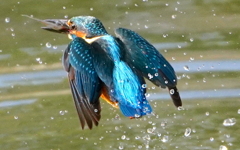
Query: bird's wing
[[123, 84], [148, 62], [84, 82], [143, 57]]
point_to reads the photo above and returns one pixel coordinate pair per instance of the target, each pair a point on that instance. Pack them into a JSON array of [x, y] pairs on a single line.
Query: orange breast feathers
[[105, 96]]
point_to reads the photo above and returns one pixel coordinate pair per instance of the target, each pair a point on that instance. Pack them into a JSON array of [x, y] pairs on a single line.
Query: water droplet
[[7, 20], [144, 86], [186, 68], [147, 94], [64, 7], [165, 139], [137, 116], [150, 130], [163, 124], [207, 113], [180, 108], [238, 111], [191, 39], [174, 16], [95, 110], [229, 122], [121, 147], [48, 45], [66, 16], [211, 139], [147, 137], [146, 26], [172, 91], [192, 58], [15, 117], [222, 147], [187, 132], [51, 118], [123, 137], [38, 59], [204, 80], [54, 47], [150, 76], [137, 137], [91, 9], [61, 112]]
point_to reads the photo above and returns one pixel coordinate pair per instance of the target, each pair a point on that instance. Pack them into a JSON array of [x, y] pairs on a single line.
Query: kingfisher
[[113, 68]]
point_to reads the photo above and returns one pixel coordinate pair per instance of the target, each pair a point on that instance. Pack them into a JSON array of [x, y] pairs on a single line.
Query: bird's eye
[[73, 27]]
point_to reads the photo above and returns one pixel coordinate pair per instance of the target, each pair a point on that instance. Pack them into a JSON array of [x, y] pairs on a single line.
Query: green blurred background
[[36, 106]]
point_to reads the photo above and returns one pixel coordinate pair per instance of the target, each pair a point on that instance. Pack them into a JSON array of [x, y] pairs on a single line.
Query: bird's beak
[[53, 25], [56, 25]]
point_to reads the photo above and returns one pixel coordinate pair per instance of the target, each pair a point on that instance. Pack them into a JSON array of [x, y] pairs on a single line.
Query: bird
[[113, 68]]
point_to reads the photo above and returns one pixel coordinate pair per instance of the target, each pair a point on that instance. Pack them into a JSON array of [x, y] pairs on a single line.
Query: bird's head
[[86, 27]]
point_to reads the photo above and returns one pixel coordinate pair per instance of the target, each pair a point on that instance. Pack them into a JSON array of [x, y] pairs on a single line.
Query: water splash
[[229, 122], [222, 147], [7, 19], [187, 132]]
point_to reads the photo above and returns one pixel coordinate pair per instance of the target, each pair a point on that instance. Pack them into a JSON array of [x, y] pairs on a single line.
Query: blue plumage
[[124, 87], [114, 68]]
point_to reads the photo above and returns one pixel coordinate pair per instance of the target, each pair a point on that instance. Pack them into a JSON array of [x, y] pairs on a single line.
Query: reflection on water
[[32, 78], [10, 103], [206, 66], [200, 94], [55, 76]]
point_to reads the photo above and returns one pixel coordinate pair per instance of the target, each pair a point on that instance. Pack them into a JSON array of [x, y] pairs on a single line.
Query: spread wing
[[84, 82], [147, 61]]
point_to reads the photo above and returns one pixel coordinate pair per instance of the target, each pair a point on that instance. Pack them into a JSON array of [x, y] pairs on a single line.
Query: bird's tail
[[173, 91], [136, 112], [128, 91]]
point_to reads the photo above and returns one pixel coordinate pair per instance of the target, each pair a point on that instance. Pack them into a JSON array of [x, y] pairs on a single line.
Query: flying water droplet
[[165, 138], [15, 117], [186, 68], [229, 122], [61, 112], [180, 108], [121, 147], [150, 130], [187, 132], [7, 20], [174, 16], [48, 45], [54, 47], [238, 111], [137, 137], [144, 86], [211, 139], [191, 39], [207, 113], [222, 147], [172, 91], [123, 137]]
